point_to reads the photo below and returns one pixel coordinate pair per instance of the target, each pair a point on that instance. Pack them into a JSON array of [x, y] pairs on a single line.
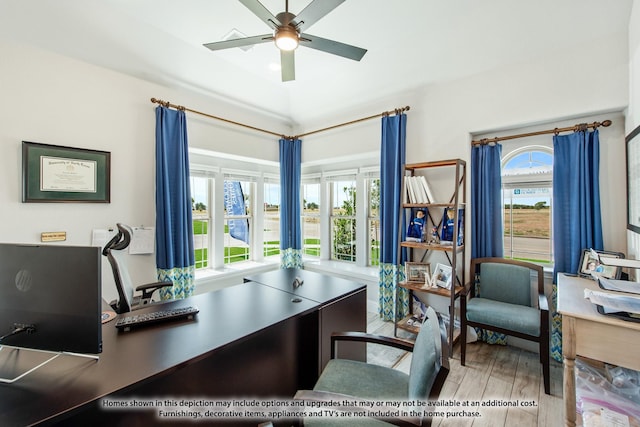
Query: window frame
[[526, 181]]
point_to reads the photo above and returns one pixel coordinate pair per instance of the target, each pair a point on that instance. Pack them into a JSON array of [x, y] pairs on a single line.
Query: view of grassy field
[[530, 223], [527, 222]]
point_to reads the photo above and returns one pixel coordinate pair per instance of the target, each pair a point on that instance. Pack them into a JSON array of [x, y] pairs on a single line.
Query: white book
[[425, 184], [421, 196], [411, 192]]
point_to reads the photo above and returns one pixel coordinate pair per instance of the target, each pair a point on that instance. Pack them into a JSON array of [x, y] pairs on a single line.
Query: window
[[373, 221], [527, 201], [343, 220], [271, 236], [238, 211], [202, 219], [311, 219]]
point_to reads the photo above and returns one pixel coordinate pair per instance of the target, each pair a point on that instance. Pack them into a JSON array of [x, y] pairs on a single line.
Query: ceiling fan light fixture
[[286, 38]]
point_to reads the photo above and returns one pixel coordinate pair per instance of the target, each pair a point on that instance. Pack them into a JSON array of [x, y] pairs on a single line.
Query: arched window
[[527, 178]]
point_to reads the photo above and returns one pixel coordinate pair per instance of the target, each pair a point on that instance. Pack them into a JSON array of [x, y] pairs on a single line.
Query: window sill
[[210, 279], [343, 269]]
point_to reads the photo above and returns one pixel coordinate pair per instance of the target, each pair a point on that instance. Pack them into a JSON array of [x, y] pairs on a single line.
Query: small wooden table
[[587, 333]]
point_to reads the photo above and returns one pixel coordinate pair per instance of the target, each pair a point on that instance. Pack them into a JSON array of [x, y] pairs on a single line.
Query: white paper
[[142, 241], [614, 302], [71, 175], [100, 237], [619, 285]]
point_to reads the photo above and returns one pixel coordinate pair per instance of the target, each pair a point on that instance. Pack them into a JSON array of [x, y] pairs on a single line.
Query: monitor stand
[[18, 362]]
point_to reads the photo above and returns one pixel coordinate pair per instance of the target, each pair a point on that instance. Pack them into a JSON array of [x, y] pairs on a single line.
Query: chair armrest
[[149, 288], [380, 406], [399, 343], [543, 304]]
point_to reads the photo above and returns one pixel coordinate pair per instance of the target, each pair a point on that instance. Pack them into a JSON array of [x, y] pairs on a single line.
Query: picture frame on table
[[54, 173], [417, 272], [589, 265], [442, 276]]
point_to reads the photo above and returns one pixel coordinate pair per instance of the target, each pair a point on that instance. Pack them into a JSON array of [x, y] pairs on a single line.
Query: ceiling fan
[[288, 34]]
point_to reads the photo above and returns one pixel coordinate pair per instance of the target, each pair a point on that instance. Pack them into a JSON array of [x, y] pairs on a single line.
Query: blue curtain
[[486, 202], [175, 261], [392, 160], [577, 223], [487, 235], [290, 215]]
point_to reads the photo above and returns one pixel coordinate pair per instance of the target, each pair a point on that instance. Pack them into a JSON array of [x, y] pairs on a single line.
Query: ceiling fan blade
[[332, 46], [245, 41], [287, 65], [261, 12], [314, 11]]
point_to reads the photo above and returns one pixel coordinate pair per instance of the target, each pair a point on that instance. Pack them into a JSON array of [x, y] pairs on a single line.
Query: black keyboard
[[144, 319]]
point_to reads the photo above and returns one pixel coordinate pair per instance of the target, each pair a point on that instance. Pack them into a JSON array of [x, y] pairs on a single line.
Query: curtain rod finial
[[606, 123]]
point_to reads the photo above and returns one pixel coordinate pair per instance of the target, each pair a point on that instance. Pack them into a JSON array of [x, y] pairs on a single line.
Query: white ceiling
[[411, 43]]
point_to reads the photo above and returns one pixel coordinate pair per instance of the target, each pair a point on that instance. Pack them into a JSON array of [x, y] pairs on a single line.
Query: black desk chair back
[[115, 252]]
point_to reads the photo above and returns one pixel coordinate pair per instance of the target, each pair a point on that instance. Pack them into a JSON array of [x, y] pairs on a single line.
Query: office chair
[[355, 381], [126, 301], [500, 300]]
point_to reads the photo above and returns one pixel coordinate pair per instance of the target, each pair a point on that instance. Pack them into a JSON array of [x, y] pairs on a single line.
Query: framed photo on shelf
[[589, 264], [442, 276], [53, 173], [417, 272]]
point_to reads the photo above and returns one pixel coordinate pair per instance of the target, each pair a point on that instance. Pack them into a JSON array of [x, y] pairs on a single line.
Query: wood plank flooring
[[493, 373]]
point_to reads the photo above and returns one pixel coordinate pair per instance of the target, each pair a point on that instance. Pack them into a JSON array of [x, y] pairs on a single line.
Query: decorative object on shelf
[[442, 276], [435, 239], [416, 272], [591, 265], [415, 231], [448, 226], [52, 173]]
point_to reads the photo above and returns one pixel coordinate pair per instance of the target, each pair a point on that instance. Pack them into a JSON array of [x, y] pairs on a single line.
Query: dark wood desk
[[247, 340], [342, 307]]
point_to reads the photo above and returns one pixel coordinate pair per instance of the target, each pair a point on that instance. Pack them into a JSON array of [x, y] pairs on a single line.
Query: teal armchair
[[499, 299], [355, 381]]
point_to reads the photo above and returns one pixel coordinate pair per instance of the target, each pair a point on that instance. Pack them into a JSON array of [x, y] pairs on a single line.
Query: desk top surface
[[571, 301], [128, 358], [316, 287]]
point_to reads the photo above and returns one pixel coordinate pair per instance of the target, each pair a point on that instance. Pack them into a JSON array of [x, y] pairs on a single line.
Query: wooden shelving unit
[[454, 252]]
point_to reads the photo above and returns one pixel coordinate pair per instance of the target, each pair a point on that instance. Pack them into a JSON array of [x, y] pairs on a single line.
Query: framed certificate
[[52, 173]]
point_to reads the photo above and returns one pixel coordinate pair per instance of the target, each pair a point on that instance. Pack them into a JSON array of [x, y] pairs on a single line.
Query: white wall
[[52, 99], [633, 113], [546, 92]]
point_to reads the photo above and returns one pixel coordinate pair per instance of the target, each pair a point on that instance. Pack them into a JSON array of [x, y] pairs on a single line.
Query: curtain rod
[[180, 107], [576, 128], [383, 114]]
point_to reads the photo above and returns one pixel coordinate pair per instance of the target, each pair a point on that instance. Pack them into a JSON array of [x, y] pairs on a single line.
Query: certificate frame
[[55, 173], [633, 180]]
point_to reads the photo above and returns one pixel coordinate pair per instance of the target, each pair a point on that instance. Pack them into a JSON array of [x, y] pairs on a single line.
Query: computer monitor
[[56, 290]]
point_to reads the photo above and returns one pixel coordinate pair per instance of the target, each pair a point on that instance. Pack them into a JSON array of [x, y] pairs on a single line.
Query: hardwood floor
[[493, 373]]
